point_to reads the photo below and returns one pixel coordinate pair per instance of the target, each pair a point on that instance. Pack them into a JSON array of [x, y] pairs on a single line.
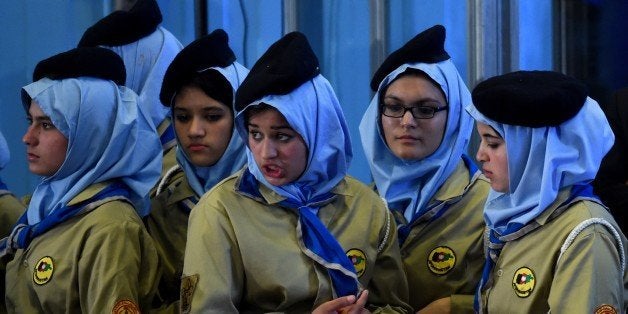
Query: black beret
[[85, 61], [426, 47], [530, 98], [124, 27], [286, 65], [209, 51]]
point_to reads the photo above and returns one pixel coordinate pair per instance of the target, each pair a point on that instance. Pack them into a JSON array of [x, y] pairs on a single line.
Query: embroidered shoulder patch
[[358, 258], [125, 307], [605, 309], [523, 282], [188, 285], [441, 260], [43, 270]]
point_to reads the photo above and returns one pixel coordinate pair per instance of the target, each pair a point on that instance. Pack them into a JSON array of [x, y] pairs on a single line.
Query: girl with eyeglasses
[[415, 135]]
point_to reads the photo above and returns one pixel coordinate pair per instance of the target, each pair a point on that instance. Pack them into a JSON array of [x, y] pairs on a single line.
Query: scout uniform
[[81, 245], [102, 261], [551, 244], [246, 250], [437, 201], [10, 211], [146, 49], [180, 190]]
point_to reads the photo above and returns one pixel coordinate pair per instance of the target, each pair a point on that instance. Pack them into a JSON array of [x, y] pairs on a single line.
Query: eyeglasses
[[427, 110]]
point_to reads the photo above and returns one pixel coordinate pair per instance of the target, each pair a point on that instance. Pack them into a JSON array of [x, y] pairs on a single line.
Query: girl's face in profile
[[409, 137], [493, 155], [279, 151], [203, 126], [46, 146]]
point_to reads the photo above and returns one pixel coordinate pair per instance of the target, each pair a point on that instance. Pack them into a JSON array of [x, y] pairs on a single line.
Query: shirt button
[[500, 273], [25, 263]]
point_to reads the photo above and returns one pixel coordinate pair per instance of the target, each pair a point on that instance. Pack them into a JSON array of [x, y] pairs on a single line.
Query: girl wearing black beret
[[81, 245], [198, 88], [552, 245], [146, 48], [415, 135], [291, 232]]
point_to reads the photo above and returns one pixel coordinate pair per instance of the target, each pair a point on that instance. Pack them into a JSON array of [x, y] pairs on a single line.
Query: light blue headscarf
[[544, 160], [5, 154], [313, 111], [415, 182], [201, 179], [109, 138], [146, 62]]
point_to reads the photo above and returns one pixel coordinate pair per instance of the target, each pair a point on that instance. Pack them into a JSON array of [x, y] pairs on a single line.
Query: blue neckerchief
[[403, 228], [188, 203], [23, 233], [168, 137], [315, 239], [2, 185], [495, 244]]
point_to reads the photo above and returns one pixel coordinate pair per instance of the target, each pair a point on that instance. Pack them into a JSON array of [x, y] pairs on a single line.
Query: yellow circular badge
[[358, 258], [43, 270], [523, 282], [441, 260]]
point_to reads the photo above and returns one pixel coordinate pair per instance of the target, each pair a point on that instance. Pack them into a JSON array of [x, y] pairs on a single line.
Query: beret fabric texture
[[286, 65], [124, 27], [426, 47], [530, 98], [85, 61], [206, 52]]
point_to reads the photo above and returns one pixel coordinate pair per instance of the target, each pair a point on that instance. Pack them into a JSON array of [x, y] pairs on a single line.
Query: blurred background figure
[[135, 34], [611, 182]]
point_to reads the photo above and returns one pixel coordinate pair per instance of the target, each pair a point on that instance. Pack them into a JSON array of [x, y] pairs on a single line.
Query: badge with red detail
[[43, 270], [125, 307], [605, 309], [441, 260], [523, 282], [358, 258], [188, 285]]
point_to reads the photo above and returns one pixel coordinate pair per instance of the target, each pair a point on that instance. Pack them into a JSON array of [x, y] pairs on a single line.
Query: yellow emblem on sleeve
[[43, 270], [358, 258], [523, 282], [441, 260]]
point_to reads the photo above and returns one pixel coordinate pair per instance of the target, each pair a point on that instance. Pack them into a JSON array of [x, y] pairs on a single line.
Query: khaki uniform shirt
[[242, 254], [102, 261], [10, 211], [169, 155], [527, 277], [168, 225], [456, 237]]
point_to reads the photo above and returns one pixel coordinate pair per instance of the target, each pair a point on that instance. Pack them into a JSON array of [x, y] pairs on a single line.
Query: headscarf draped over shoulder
[[109, 136], [287, 78], [204, 55], [145, 48], [409, 185], [555, 137]]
